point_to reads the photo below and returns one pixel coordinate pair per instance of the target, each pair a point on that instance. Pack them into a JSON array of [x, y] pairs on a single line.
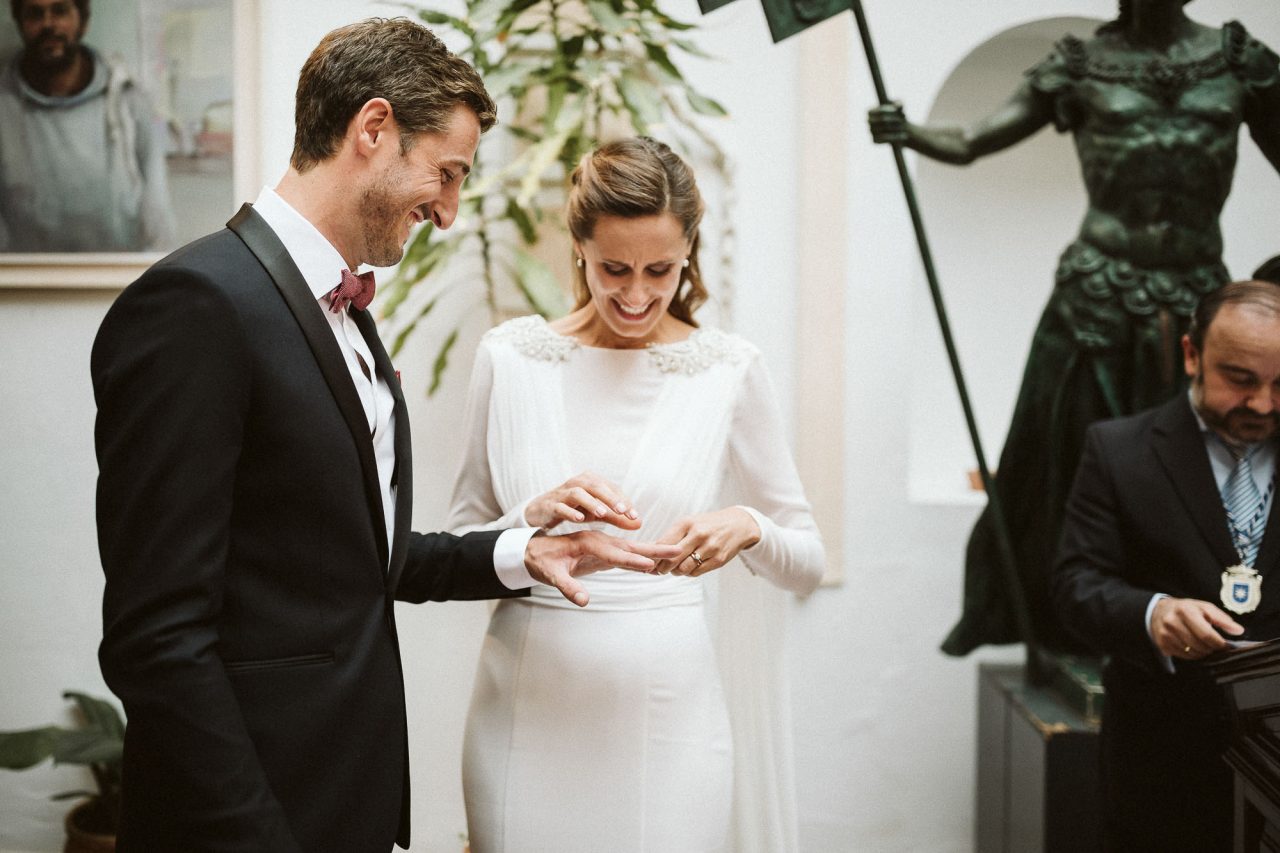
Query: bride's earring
[[686, 263], [580, 263]]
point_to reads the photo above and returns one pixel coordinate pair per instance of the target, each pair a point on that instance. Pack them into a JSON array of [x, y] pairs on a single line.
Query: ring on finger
[[697, 560], [1186, 649]]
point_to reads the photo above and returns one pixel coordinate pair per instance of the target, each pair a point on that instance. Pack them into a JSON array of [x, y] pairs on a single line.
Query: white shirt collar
[[317, 259]]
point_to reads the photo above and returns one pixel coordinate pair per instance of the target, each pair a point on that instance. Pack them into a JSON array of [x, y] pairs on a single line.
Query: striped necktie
[[1244, 503]]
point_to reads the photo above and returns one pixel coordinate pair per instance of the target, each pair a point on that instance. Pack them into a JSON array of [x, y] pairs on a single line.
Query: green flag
[[788, 17]]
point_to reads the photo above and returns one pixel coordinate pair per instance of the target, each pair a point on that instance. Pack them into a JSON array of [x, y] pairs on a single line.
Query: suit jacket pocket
[[293, 662]]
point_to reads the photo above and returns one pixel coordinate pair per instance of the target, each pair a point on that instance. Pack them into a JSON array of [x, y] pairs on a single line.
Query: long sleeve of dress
[[474, 505], [789, 553]]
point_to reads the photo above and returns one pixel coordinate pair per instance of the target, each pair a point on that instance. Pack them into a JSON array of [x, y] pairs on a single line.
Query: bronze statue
[[1154, 102]]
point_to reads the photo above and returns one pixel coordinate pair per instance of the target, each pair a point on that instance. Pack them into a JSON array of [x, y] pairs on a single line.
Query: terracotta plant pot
[[82, 841]]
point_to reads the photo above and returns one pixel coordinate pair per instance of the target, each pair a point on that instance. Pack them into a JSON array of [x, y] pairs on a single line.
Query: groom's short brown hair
[[395, 59]]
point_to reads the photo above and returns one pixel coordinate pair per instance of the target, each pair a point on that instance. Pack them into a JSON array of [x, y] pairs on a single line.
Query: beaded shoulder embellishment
[[532, 336], [701, 350]]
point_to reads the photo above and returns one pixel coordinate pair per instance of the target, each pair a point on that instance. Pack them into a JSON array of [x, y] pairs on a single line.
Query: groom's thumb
[[572, 590]]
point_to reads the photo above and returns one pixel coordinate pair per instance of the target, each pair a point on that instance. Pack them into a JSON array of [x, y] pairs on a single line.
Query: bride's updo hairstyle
[[631, 178]]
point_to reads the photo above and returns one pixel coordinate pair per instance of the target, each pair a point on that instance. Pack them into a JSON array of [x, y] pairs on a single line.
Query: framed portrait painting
[[126, 130]]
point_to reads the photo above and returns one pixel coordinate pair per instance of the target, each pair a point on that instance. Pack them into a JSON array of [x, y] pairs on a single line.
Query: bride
[[609, 728]]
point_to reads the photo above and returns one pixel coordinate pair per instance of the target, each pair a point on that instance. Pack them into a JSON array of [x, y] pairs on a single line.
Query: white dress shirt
[[321, 266]]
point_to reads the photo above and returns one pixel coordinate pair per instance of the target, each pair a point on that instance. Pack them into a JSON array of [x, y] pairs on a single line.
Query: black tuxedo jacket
[[1145, 516], [248, 619]]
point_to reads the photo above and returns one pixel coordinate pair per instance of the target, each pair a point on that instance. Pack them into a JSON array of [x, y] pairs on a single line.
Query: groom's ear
[[373, 128]]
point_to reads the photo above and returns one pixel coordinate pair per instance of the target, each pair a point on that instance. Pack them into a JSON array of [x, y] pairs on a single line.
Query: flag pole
[[1008, 563]]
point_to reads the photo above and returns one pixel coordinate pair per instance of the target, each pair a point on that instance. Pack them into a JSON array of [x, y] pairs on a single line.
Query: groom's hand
[[558, 560]]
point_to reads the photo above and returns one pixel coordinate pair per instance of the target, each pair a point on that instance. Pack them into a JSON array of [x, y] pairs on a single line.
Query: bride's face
[[633, 268]]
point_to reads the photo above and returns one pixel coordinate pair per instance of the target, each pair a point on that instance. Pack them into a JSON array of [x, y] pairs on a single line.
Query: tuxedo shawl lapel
[[1179, 445], [403, 476], [275, 259]]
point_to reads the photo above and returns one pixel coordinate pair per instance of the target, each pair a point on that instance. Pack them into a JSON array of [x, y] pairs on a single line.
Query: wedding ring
[[698, 561], [1186, 649]]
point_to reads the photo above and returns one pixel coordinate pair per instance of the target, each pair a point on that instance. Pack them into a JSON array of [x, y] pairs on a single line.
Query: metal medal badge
[[1241, 589]]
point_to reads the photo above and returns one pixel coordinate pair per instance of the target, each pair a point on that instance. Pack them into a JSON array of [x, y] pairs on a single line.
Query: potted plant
[[98, 744]]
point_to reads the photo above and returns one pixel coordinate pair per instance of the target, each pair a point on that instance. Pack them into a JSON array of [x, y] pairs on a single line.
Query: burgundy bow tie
[[354, 290]]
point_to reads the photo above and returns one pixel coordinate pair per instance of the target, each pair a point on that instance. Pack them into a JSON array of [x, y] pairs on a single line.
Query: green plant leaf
[[703, 105], [609, 20], [441, 362], [507, 76], [90, 745], [403, 336], [98, 713], [641, 100], [523, 222], [543, 155], [690, 48], [419, 249], [507, 11], [571, 50], [486, 10], [522, 133], [658, 56], [555, 101], [20, 750], [539, 286], [427, 263], [667, 22], [418, 244], [441, 19]]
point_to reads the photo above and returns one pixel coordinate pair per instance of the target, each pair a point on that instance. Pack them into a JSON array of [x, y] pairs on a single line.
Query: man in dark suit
[[1171, 548], [255, 485]]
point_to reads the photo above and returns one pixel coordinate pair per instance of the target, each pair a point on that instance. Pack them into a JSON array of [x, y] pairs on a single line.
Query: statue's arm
[[1262, 115], [1257, 67], [1023, 114]]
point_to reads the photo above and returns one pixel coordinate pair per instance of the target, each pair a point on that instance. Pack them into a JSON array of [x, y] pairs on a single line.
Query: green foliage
[[98, 745], [565, 74]]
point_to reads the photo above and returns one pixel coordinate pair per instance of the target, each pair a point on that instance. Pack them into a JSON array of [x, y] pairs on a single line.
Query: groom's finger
[[572, 590], [612, 555], [654, 550]]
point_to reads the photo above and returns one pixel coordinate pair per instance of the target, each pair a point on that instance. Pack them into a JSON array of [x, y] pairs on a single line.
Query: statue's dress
[[1157, 148], [608, 728]]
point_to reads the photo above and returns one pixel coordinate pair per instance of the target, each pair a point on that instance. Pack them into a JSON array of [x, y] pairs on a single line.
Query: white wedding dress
[[606, 729]]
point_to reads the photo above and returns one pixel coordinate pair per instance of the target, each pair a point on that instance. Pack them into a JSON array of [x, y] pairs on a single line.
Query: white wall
[[885, 723]]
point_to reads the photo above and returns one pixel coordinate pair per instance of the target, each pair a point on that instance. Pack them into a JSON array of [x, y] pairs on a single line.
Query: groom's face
[[421, 184]]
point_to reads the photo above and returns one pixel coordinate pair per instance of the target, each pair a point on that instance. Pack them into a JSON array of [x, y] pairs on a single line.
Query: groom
[[255, 486]]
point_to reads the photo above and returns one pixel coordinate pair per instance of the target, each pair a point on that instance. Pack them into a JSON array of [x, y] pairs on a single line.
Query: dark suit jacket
[[1145, 516], [248, 619]]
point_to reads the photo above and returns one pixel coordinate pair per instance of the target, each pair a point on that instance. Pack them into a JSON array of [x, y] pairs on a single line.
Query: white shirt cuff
[[1165, 660], [508, 557]]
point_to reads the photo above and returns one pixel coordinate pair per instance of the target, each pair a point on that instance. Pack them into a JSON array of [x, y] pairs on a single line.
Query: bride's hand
[[586, 497], [708, 541]]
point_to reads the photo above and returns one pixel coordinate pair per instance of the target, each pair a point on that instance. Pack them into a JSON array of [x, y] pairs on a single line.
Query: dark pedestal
[[1250, 680], [1037, 769]]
